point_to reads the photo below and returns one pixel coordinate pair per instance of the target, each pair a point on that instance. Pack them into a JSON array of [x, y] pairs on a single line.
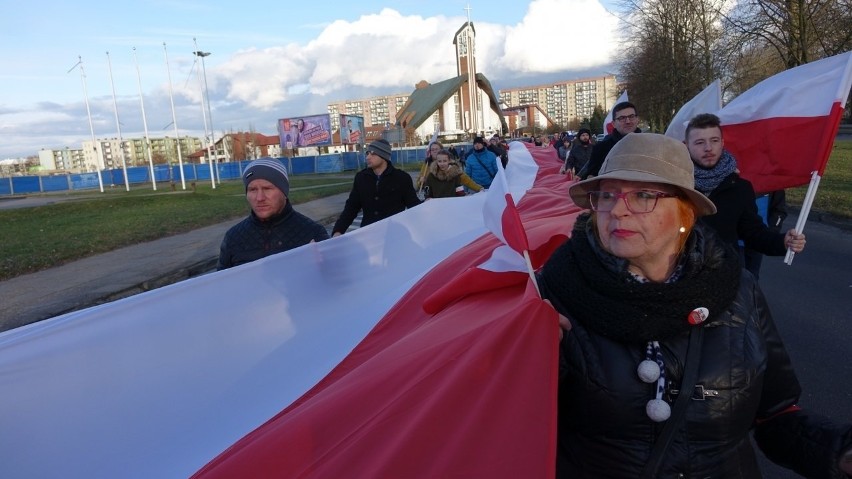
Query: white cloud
[[375, 54], [391, 51], [557, 35]]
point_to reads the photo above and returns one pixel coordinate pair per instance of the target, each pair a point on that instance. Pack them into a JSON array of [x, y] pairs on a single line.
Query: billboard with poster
[[302, 131], [352, 129]]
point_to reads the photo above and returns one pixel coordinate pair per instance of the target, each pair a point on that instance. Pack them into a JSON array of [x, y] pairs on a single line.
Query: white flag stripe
[[780, 97], [709, 100], [495, 203], [158, 384], [504, 259]]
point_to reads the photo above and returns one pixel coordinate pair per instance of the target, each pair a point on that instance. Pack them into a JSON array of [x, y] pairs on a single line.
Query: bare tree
[[672, 54], [798, 31]]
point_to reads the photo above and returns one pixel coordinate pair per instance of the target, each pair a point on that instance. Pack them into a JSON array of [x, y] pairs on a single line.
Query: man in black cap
[[580, 151], [379, 190], [495, 147], [273, 225]]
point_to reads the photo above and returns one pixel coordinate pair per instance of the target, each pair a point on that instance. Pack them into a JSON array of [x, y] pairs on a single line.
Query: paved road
[[811, 301]]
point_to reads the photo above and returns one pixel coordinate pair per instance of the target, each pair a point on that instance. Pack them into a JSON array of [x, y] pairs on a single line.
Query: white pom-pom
[[649, 371], [658, 410]]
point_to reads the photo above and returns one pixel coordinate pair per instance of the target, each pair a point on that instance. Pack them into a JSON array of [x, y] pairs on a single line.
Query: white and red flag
[[501, 216], [782, 130], [415, 397], [316, 362], [608, 127]]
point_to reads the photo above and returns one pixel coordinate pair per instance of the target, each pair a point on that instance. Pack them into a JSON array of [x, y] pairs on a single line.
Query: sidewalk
[[127, 271]]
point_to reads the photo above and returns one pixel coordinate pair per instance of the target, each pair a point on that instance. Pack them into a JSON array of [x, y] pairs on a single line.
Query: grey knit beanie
[[381, 147], [270, 170]]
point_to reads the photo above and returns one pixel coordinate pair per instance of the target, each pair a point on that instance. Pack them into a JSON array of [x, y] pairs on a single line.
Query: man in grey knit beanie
[[273, 225]]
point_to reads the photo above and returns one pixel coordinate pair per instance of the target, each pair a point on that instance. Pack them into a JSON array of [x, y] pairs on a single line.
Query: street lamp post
[[99, 160], [206, 93]]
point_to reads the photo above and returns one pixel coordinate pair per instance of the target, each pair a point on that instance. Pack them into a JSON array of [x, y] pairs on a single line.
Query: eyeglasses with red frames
[[637, 201]]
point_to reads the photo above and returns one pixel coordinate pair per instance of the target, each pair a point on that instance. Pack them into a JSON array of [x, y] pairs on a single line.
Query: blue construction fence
[[136, 175]]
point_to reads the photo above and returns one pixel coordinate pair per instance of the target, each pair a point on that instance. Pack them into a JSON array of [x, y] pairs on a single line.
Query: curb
[[838, 222], [199, 268]]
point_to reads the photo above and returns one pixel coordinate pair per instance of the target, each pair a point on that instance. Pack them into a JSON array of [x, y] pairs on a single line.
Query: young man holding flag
[[717, 176]]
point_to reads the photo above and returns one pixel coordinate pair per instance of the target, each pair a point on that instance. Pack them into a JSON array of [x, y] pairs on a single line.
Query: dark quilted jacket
[[604, 431], [252, 239]]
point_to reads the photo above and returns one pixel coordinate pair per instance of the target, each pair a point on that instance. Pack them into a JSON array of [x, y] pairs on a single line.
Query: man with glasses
[[379, 190], [625, 119], [717, 176]]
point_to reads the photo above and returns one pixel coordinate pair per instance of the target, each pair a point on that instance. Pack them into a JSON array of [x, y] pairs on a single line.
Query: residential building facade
[[565, 101], [377, 110]]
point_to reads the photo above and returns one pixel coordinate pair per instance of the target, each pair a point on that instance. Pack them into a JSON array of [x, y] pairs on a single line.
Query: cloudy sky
[[268, 60]]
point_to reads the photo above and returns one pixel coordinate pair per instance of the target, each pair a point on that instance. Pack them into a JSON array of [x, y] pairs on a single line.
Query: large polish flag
[[316, 362], [781, 131], [608, 126]]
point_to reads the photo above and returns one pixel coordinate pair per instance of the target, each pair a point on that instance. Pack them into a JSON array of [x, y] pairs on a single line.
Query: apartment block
[[377, 111], [108, 152], [565, 101]]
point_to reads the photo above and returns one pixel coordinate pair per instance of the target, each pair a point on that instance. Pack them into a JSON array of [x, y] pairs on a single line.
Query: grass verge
[[834, 195], [37, 238]]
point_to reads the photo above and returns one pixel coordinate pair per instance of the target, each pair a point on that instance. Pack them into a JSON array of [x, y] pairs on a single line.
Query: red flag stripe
[[783, 152], [430, 396]]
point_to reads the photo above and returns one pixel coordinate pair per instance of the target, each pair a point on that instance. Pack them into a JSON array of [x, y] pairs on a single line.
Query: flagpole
[[174, 120], [803, 214], [198, 55], [531, 271], [99, 160], [118, 126], [145, 122]]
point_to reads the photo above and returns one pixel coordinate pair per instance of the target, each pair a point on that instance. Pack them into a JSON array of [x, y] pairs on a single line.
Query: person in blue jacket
[[481, 164]]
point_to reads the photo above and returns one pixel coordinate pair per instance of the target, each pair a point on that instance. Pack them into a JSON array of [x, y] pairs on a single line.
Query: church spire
[[469, 101]]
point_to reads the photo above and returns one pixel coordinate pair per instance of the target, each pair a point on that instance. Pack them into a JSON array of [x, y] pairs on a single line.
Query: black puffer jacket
[[252, 239], [603, 429]]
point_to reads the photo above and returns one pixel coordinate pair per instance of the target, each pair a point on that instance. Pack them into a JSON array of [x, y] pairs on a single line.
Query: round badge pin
[[698, 315]]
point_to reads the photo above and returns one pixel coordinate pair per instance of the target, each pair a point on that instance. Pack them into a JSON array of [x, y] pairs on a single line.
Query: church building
[[457, 108]]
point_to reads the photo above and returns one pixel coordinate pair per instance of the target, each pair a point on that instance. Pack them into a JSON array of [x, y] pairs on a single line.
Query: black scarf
[[595, 288]]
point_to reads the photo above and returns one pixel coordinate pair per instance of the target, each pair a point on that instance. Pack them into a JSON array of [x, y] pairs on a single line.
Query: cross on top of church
[[468, 9]]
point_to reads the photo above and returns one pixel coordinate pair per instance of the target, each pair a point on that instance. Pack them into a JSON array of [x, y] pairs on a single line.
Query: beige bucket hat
[[647, 157]]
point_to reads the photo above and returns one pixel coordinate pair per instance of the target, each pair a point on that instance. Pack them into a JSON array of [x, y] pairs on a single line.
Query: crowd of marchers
[[669, 360]]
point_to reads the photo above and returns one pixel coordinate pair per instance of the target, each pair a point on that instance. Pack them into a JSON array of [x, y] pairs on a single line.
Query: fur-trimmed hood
[[453, 170]]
